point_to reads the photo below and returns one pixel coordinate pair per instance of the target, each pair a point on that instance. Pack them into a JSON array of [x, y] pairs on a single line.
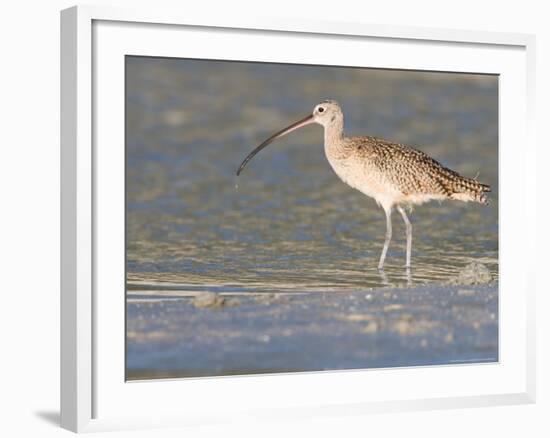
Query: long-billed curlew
[[393, 174]]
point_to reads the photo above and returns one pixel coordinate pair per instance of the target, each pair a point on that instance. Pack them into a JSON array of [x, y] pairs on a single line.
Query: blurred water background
[[288, 223]]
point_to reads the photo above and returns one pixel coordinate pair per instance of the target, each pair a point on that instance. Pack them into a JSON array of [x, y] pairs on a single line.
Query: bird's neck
[[334, 138]]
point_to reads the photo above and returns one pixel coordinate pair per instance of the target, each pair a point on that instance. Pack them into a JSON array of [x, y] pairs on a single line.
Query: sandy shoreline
[[205, 334]]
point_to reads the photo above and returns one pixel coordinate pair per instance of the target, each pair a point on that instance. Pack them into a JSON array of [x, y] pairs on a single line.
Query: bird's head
[[327, 113]]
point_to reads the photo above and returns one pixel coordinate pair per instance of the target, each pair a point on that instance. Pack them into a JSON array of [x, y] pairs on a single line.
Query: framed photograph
[[265, 218]]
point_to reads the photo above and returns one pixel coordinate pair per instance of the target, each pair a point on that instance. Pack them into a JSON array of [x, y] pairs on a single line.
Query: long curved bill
[[303, 122]]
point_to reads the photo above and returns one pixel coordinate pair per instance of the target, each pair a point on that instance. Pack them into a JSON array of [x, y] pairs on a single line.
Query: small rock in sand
[[371, 327], [474, 273], [214, 300], [404, 325]]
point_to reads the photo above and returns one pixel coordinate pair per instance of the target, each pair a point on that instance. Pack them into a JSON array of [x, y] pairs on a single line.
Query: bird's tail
[[469, 189]]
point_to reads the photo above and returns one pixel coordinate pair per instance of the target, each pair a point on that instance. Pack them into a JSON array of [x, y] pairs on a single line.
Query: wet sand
[[190, 334]]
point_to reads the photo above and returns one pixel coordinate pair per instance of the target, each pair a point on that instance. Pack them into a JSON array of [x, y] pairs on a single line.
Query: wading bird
[[393, 174]]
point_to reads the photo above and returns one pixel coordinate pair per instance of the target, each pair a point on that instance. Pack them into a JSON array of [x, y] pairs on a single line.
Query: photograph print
[[285, 218]]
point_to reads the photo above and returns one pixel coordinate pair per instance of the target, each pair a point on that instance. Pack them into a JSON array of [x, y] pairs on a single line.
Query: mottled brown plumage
[[414, 172], [395, 175]]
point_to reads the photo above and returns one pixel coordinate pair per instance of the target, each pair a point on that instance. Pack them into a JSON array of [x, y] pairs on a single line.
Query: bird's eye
[[321, 109]]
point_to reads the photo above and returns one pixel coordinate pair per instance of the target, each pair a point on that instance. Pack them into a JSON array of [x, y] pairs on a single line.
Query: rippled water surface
[[288, 223]]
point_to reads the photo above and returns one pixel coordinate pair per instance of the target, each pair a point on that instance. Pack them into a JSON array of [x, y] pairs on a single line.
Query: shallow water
[[288, 223]]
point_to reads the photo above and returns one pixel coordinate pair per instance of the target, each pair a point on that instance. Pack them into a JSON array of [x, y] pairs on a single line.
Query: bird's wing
[[415, 172]]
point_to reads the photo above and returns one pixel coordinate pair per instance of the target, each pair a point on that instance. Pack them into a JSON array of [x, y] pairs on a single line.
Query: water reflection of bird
[[394, 175]]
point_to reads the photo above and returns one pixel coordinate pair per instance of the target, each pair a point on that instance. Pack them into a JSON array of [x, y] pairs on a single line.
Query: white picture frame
[[93, 397]]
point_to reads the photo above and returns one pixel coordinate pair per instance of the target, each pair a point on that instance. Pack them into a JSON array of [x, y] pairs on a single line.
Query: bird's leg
[[384, 278], [408, 276], [388, 238], [408, 227]]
